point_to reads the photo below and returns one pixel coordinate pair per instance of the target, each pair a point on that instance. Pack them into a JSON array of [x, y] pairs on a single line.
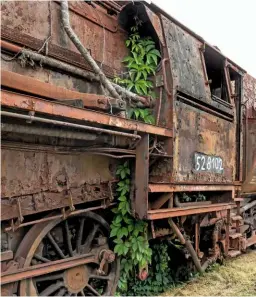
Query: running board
[[169, 188], [184, 211]]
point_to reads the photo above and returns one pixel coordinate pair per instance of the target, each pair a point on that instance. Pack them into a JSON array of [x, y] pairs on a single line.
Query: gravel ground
[[237, 277]]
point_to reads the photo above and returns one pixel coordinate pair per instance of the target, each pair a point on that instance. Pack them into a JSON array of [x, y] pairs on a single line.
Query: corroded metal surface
[[30, 24], [172, 212], [33, 86], [55, 109], [46, 268], [141, 178], [88, 247], [46, 75], [185, 59], [198, 131], [250, 133], [36, 178], [43, 180], [193, 187]]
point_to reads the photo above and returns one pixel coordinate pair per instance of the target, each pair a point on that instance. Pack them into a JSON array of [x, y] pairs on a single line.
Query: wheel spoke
[[92, 290], [40, 258], [55, 245], [89, 239], [70, 250], [51, 289], [80, 235], [48, 277], [61, 292], [82, 293]]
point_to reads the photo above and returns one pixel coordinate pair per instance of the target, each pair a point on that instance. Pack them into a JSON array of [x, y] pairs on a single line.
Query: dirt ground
[[237, 277]]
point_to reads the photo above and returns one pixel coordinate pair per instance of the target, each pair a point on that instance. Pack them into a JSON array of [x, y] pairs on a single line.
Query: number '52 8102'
[[207, 163]]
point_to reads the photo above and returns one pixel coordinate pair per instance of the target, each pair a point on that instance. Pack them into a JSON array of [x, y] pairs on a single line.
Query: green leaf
[[113, 232], [118, 219], [148, 60], [138, 89], [128, 208], [145, 75], [132, 74], [137, 113], [153, 57], [155, 52], [138, 76], [121, 183], [127, 220], [123, 174], [149, 83], [124, 232], [149, 47], [123, 192], [122, 198], [114, 210], [130, 228], [128, 59], [127, 42], [127, 181], [130, 86], [118, 241]]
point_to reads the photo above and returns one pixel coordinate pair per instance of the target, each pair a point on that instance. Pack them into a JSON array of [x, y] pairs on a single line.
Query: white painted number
[[203, 158], [208, 163], [221, 168], [198, 162]]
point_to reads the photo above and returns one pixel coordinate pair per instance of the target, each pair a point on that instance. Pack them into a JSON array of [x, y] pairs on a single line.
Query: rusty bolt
[[121, 104]]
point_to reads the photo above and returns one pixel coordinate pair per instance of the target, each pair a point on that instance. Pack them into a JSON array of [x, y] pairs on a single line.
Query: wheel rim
[[60, 239]]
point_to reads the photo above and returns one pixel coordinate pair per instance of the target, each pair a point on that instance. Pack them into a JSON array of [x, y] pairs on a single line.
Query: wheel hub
[[76, 278]]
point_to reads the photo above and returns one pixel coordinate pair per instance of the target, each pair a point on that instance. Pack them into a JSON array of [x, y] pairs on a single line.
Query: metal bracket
[[20, 218], [32, 114], [159, 81], [140, 202], [117, 104], [70, 200]]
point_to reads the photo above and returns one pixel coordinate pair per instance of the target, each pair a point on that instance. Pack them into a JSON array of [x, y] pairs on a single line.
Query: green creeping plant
[[129, 235], [141, 63]]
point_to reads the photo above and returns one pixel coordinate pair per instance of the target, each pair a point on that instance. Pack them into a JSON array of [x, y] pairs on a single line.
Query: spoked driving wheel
[[83, 237]]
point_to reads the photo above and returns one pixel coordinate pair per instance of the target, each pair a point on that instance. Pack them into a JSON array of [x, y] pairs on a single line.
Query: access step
[[235, 235], [234, 253], [238, 199]]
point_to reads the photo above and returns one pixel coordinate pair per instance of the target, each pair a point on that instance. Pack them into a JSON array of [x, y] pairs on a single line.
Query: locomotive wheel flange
[[62, 239]]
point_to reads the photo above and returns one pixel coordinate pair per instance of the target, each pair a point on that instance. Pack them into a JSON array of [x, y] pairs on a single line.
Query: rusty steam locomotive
[[65, 129]]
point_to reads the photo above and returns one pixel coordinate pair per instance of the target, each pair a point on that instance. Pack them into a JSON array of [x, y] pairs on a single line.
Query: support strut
[[188, 244]]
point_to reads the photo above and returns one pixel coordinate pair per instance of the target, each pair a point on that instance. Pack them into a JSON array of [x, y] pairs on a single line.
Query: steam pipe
[[42, 131], [67, 124]]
